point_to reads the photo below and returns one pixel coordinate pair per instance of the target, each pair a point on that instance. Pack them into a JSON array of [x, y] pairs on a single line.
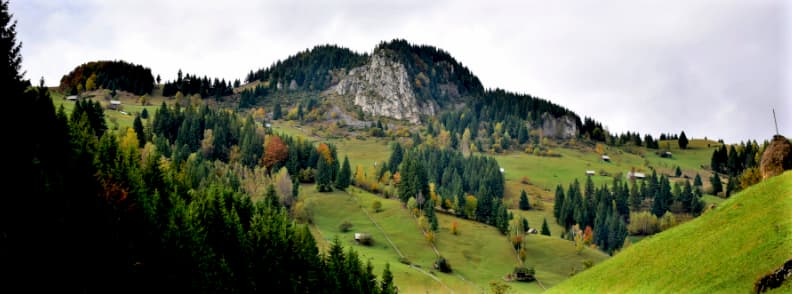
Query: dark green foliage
[[683, 141], [717, 186], [395, 158], [678, 172], [524, 274], [144, 114], [309, 69], [697, 181], [277, 113], [545, 228], [524, 203], [386, 285], [93, 113], [442, 265], [137, 125], [344, 175], [110, 75], [525, 225], [193, 84], [324, 175], [663, 197]]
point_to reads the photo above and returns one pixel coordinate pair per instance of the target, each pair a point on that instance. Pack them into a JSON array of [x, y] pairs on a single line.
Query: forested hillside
[[197, 208], [310, 69]]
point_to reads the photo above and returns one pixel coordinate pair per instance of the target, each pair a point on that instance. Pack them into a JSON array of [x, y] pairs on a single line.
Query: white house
[[115, 104], [636, 175], [606, 158], [71, 98], [590, 172]]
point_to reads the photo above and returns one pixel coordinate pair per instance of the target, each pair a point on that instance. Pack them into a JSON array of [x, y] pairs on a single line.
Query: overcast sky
[[711, 68]]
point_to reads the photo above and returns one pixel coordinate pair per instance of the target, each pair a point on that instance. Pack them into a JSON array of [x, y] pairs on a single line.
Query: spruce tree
[[525, 225], [386, 285], [678, 172], [137, 125], [524, 203], [717, 186], [697, 181], [277, 113], [683, 140], [342, 181], [545, 228]]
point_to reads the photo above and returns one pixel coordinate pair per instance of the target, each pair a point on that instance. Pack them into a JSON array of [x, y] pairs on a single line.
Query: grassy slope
[[479, 254], [724, 250]]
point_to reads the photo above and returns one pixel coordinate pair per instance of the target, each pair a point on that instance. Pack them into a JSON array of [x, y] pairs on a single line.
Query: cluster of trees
[[737, 158], [431, 70], [193, 84], [498, 120], [135, 220], [740, 162], [249, 97], [456, 179], [113, 75], [308, 69], [607, 209]]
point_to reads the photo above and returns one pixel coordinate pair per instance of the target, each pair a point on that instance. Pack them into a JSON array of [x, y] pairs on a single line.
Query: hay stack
[[777, 157]]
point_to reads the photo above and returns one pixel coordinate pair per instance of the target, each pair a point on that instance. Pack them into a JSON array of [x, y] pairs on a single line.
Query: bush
[[524, 274], [442, 265], [643, 223], [376, 206], [404, 260], [307, 175], [344, 227]]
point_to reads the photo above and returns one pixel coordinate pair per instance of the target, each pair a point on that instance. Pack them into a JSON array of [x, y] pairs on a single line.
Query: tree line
[[112, 75], [308, 69], [203, 86]]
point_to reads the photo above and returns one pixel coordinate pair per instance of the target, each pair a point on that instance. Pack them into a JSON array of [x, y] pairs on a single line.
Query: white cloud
[[712, 68]]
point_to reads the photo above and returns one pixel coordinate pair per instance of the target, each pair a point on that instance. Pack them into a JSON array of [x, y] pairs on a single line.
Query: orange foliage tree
[[275, 151]]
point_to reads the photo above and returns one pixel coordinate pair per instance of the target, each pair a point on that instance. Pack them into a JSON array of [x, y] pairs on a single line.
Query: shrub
[[524, 274], [376, 206], [345, 226], [442, 265], [643, 223], [525, 180]]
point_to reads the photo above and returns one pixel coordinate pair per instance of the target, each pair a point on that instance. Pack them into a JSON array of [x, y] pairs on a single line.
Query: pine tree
[[678, 172], [395, 158], [558, 204], [271, 196], [386, 285], [277, 113], [697, 181], [683, 140], [717, 186], [545, 228], [342, 181], [137, 125], [324, 175], [525, 225], [524, 203]]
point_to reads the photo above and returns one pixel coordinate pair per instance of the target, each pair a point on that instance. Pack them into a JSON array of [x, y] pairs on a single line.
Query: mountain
[[406, 81], [724, 250]]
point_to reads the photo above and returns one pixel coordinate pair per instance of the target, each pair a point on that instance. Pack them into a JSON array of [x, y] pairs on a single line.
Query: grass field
[[725, 250], [479, 254]]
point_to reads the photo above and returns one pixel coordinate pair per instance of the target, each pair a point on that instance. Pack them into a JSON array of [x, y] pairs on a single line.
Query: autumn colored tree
[[275, 152]]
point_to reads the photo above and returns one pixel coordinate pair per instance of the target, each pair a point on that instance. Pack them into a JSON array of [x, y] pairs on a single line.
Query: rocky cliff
[[382, 87], [563, 127]]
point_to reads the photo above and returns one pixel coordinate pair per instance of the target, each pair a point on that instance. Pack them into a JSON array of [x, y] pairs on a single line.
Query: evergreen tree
[[558, 204], [525, 225], [635, 197], [524, 204], [395, 157], [717, 186], [678, 172], [277, 113], [144, 114], [545, 228], [324, 175], [697, 181], [344, 175], [386, 285], [137, 125]]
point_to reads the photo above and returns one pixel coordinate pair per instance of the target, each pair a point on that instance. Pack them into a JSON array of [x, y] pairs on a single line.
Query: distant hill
[[724, 250], [113, 75]]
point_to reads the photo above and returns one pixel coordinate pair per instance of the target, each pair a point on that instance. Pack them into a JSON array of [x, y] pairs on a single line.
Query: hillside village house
[[606, 158], [589, 172], [636, 175], [114, 104]]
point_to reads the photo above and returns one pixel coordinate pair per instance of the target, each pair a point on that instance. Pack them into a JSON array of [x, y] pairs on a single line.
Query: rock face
[[382, 87], [776, 158], [563, 127]]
